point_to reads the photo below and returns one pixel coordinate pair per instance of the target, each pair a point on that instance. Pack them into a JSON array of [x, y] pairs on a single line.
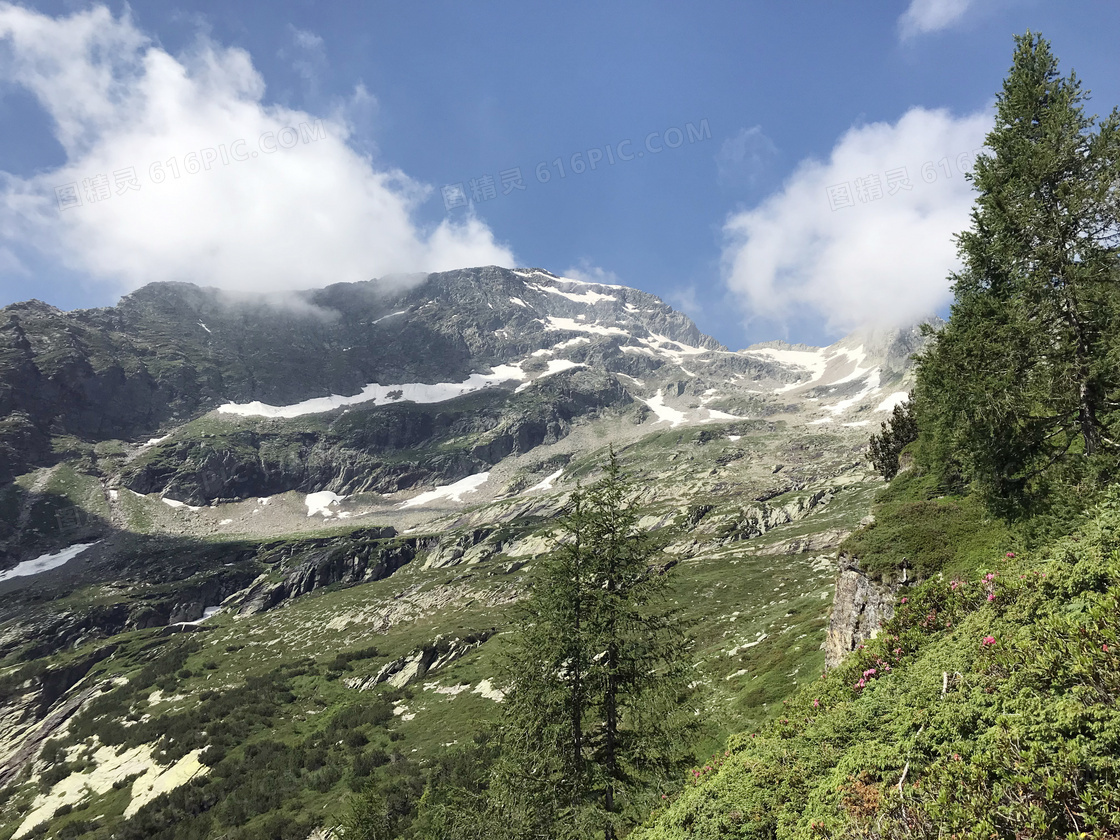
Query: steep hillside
[[985, 707]]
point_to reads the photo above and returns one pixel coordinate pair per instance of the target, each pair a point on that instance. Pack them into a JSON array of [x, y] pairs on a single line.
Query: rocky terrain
[[235, 525]]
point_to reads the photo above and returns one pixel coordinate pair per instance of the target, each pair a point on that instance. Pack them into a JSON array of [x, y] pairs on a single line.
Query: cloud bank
[[865, 238], [177, 169]]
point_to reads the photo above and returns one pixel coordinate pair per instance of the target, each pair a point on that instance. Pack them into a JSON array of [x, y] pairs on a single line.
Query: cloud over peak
[[177, 169]]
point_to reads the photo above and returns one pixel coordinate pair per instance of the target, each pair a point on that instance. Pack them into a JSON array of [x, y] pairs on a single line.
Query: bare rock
[[860, 607]]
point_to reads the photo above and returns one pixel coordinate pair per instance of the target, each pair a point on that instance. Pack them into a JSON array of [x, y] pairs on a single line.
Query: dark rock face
[[373, 556]]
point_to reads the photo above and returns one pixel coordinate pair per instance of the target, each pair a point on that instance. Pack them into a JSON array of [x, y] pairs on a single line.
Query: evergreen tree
[[895, 434], [1019, 389], [599, 672]]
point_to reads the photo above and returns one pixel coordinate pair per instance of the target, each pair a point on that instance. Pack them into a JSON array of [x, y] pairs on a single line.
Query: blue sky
[[779, 170]]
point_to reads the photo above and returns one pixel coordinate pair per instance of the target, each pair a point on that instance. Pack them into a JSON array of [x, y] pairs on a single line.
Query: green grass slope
[[985, 708]]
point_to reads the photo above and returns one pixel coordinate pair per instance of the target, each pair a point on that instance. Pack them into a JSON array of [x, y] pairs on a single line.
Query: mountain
[[309, 504]]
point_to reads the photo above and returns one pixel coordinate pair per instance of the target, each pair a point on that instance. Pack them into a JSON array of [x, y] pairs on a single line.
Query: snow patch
[[894, 399], [548, 276], [664, 412], [869, 386], [414, 392], [713, 414], [390, 315], [46, 562], [451, 492], [588, 297], [573, 325], [547, 483], [321, 502], [554, 366], [207, 613], [175, 503]]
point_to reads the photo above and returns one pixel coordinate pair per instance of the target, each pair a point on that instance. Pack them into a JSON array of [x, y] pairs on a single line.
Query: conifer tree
[[598, 707], [895, 434], [1021, 384]]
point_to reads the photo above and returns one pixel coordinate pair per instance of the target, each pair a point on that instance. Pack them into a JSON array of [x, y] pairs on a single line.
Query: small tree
[[599, 672], [367, 817], [885, 448]]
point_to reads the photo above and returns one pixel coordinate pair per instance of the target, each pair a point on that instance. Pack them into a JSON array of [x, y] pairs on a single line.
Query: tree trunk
[[577, 688], [611, 741], [1087, 419]]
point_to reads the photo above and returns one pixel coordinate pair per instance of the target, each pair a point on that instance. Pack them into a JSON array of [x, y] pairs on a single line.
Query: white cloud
[[884, 260], [303, 209], [589, 273], [924, 16], [11, 265], [310, 59], [684, 299], [744, 157]]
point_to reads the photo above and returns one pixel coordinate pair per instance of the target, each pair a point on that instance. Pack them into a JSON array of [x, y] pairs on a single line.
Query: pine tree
[[1021, 384], [895, 434], [598, 708]]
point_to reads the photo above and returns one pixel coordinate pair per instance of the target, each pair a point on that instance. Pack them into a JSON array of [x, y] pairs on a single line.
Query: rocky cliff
[[861, 605]]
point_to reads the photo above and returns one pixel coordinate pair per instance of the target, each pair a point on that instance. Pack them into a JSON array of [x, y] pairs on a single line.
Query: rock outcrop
[[374, 557], [861, 605], [430, 657]]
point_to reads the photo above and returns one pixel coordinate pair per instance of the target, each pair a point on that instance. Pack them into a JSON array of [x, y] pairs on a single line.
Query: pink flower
[[991, 596], [988, 641], [1010, 554], [904, 600], [817, 703], [990, 576]]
